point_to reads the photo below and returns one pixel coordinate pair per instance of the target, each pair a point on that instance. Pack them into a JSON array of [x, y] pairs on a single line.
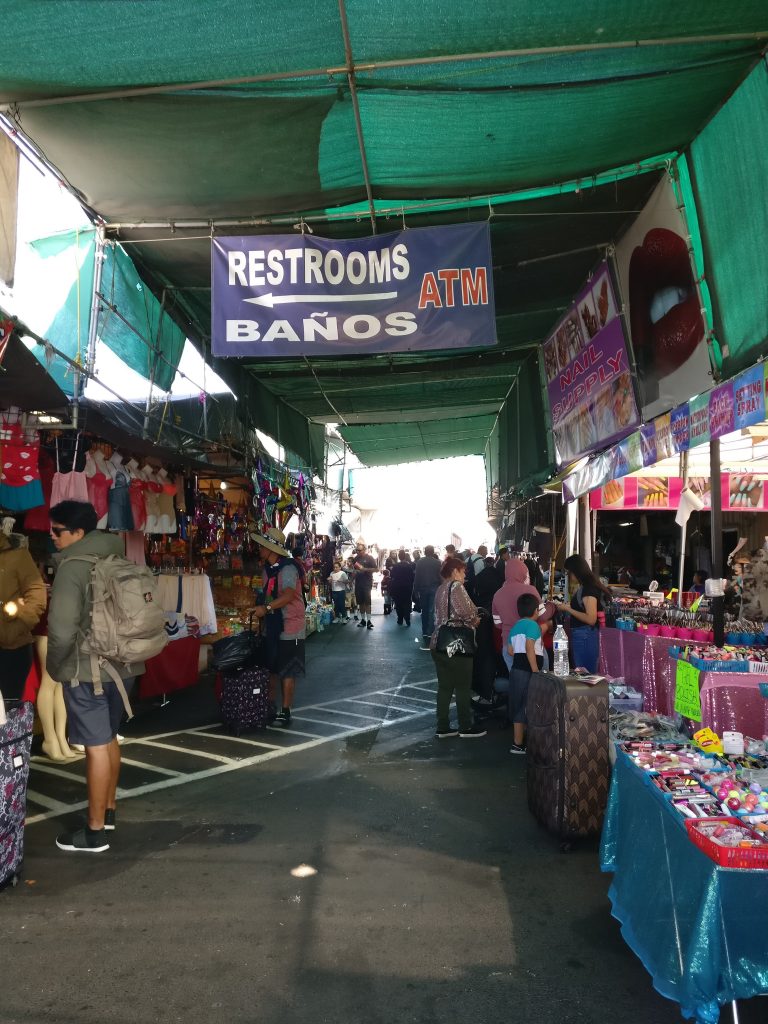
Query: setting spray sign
[[295, 295]]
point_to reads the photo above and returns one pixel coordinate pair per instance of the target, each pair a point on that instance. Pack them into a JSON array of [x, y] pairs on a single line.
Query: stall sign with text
[[589, 384], [300, 295]]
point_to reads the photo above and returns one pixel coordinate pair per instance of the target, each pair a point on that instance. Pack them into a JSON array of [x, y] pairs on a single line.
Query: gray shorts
[[94, 720]]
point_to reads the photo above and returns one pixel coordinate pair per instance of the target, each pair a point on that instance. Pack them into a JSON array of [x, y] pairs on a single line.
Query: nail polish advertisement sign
[[742, 492], [749, 397], [301, 295], [658, 286], [589, 383], [687, 695]]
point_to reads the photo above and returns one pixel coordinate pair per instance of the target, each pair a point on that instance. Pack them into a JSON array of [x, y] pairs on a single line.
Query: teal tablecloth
[[700, 930]]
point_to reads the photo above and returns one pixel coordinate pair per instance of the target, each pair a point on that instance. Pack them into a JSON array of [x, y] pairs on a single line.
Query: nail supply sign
[[296, 295]]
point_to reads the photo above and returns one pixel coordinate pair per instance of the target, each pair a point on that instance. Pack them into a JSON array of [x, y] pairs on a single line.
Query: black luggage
[[568, 767], [245, 699], [15, 744]]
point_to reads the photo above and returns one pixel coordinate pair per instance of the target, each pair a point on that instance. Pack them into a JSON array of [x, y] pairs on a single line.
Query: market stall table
[[732, 701], [698, 929], [643, 662], [174, 668]]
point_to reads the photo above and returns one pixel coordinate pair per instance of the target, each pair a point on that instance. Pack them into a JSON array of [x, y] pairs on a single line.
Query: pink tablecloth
[[732, 700], [643, 662]]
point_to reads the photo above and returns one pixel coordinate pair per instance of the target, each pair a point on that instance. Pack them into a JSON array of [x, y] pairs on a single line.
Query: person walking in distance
[[365, 566], [426, 580], [93, 718], [338, 580], [285, 620], [401, 587]]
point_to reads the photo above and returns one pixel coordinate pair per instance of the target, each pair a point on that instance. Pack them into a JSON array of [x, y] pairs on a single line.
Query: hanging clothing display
[[134, 547], [152, 492], [20, 486], [37, 518], [71, 486], [196, 599], [120, 515], [98, 484], [138, 490]]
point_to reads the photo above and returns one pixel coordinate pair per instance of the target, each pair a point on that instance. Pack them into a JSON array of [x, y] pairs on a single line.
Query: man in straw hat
[[284, 620]]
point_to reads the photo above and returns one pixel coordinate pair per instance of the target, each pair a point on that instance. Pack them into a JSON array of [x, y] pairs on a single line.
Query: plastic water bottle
[[560, 647]]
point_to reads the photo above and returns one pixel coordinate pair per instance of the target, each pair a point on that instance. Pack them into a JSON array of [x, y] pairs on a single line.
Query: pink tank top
[[69, 486]]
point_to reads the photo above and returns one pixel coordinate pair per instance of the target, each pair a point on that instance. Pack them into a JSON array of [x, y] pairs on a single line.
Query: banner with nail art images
[[664, 310], [734, 405], [589, 382], [743, 492]]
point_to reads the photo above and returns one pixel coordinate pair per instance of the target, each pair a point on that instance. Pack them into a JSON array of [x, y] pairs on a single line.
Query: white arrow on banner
[[271, 300]]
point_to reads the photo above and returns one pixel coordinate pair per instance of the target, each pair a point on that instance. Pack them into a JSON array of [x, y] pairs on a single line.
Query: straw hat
[[273, 540]]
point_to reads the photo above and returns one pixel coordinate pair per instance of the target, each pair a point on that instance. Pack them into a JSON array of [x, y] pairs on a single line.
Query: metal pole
[[684, 531], [350, 70], [450, 58], [718, 610], [93, 324], [153, 366]]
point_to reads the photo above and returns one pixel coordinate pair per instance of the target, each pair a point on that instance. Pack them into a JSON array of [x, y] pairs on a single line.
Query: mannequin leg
[[51, 710]]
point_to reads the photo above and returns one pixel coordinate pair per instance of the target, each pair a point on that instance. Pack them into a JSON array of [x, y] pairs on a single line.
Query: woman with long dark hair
[[583, 609]]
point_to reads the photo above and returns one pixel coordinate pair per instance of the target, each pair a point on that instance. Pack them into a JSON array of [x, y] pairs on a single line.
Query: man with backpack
[[284, 625], [102, 622]]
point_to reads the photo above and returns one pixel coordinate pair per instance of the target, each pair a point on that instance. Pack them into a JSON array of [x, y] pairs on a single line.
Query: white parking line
[[42, 765], [350, 714], [188, 750], [207, 773], [150, 767], [55, 807], [375, 704], [242, 739]]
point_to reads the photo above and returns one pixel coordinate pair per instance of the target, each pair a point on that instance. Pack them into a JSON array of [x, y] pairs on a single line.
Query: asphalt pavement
[[364, 872]]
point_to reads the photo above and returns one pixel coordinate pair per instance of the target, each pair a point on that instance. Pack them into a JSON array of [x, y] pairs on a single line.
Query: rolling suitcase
[[15, 742], [245, 699], [567, 754]]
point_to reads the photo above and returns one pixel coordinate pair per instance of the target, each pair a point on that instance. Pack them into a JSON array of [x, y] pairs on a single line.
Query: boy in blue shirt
[[525, 647]]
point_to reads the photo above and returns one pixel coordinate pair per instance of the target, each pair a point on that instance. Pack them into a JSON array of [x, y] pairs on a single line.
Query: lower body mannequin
[[52, 711]]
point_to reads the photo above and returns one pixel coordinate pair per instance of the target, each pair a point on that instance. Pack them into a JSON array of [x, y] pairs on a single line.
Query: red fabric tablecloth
[[173, 669], [732, 701]]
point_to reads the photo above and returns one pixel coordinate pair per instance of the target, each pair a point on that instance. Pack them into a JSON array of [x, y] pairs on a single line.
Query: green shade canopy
[[165, 113]]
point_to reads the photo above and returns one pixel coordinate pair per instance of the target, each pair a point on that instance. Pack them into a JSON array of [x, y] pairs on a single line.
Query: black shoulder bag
[[454, 637]]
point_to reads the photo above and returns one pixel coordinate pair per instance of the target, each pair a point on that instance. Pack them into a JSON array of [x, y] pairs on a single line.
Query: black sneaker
[[471, 734], [369, 624], [443, 734], [84, 840], [361, 624], [109, 819], [283, 717], [516, 749]]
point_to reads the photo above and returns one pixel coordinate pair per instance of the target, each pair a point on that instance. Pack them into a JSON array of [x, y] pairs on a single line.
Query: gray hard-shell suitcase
[[15, 745], [567, 754]]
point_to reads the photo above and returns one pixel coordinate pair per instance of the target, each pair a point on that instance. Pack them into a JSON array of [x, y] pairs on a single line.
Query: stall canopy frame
[[425, 111]]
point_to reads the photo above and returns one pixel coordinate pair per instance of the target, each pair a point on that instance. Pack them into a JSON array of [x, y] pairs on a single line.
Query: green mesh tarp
[[62, 315], [729, 162], [150, 342], [387, 444]]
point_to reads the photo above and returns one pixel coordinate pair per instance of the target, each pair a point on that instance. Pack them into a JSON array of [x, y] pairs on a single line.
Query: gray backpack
[[127, 624]]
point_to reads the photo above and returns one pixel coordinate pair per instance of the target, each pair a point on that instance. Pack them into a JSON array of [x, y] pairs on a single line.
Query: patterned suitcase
[[245, 699], [567, 754], [15, 744]]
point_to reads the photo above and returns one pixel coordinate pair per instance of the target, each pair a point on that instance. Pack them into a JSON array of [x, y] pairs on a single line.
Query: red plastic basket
[[727, 856]]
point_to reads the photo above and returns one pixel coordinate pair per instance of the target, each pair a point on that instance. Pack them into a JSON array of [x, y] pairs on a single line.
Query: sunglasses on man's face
[[58, 530]]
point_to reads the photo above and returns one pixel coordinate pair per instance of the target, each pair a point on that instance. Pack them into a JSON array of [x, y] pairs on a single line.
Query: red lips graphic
[[660, 273]]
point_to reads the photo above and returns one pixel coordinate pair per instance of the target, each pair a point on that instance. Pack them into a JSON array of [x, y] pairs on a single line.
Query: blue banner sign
[[409, 291]]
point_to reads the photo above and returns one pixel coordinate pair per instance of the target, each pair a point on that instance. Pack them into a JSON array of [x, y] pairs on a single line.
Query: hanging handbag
[[455, 637]]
